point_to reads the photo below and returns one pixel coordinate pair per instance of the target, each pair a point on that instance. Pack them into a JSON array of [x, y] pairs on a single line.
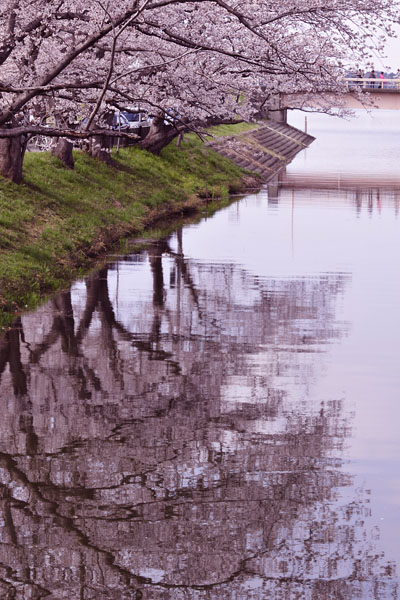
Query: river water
[[215, 415]]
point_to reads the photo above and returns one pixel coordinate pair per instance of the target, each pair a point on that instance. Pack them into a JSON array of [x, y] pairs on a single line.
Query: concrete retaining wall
[[265, 150]]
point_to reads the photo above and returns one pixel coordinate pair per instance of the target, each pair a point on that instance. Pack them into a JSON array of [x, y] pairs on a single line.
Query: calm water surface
[[216, 415]]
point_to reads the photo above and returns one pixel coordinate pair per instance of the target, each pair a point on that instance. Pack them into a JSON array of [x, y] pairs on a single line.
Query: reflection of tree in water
[[171, 452]]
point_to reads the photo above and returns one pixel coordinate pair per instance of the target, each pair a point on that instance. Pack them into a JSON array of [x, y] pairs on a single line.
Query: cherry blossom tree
[[209, 61]]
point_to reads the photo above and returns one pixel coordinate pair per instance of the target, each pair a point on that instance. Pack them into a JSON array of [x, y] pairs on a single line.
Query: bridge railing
[[367, 83]]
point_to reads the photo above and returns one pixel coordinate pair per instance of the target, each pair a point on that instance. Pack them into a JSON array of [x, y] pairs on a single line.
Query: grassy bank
[[58, 221]]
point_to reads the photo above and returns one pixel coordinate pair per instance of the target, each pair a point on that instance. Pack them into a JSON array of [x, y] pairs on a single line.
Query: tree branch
[[68, 133]]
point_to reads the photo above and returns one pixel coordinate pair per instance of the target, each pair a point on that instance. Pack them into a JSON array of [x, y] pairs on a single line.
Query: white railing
[[367, 83]]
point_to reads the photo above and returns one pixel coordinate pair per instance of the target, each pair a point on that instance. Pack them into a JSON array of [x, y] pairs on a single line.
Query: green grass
[[58, 221], [234, 129]]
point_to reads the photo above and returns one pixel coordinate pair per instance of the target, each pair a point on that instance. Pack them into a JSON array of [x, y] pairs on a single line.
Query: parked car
[[124, 120]]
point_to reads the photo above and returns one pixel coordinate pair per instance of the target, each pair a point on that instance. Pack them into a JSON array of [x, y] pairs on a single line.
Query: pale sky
[[393, 55]]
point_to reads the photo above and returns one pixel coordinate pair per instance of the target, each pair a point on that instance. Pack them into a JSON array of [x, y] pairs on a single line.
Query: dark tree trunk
[[100, 147], [159, 136], [63, 151], [11, 158]]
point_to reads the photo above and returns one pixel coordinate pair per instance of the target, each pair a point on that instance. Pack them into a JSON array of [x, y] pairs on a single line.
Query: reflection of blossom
[[167, 455]]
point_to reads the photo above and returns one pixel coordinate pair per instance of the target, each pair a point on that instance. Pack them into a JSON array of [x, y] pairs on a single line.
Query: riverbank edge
[[54, 227], [60, 223]]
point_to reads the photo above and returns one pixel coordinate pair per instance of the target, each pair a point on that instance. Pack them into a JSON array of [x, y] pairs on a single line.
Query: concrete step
[[267, 160]]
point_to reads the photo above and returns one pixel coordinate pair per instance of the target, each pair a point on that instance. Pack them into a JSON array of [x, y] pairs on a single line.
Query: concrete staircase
[[265, 150]]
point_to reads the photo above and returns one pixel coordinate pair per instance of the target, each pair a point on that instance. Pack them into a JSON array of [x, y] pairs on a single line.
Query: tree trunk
[[100, 147], [159, 136], [11, 158], [63, 151]]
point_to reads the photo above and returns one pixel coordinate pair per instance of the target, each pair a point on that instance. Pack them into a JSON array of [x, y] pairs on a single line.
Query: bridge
[[367, 84], [383, 93]]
